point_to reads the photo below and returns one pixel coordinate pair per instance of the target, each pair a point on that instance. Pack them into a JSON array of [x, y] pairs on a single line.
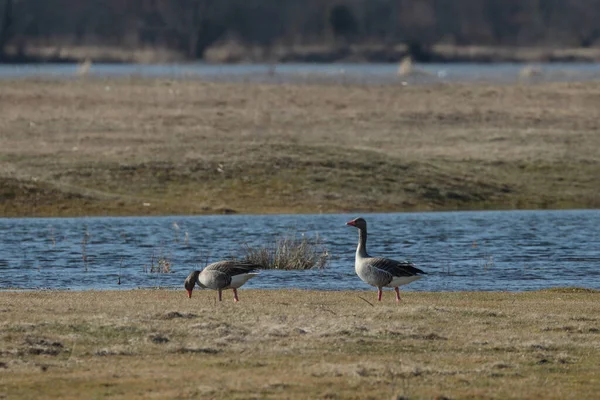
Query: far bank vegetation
[[269, 30]]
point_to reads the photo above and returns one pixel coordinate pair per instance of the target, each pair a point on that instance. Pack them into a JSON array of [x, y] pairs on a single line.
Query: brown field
[[299, 344], [148, 146]]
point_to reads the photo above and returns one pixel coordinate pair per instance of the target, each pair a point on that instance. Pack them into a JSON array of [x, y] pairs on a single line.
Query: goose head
[[190, 282], [359, 223]]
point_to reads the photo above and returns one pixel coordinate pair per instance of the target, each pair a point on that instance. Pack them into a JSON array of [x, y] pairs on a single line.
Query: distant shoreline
[[234, 53]]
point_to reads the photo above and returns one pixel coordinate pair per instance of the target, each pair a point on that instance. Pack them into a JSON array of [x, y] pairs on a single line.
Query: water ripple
[[508, 250]]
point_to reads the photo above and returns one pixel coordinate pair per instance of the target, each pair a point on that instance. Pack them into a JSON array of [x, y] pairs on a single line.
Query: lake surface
[[500, 251], [311, 73]]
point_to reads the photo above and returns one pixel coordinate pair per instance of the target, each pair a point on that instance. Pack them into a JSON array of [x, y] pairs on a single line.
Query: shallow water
[[504, 250], [303, 72]]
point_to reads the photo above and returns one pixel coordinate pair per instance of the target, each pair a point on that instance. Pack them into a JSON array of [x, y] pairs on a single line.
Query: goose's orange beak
[[189, 293], [351, 223]]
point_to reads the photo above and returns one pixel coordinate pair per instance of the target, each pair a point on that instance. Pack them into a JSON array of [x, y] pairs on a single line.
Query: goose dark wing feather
[[396, 268], [233, 268]]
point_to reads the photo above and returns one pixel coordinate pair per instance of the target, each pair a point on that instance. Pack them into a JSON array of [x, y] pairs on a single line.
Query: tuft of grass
[[159, 265], [289, 253], [84, 242], [163, 267]]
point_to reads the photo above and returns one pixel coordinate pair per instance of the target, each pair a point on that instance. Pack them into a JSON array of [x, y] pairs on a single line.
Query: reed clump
[[288, 253], [159, 265]]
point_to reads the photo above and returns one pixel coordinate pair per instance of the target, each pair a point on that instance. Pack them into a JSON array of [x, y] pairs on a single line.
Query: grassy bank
[[137, 147], [299, 344], [234, 52]]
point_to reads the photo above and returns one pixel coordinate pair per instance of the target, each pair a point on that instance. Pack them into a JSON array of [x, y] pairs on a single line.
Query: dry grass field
[[283, 344], [152, 146]]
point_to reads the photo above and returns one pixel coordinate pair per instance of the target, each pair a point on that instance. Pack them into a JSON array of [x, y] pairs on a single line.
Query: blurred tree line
[[192, 26]]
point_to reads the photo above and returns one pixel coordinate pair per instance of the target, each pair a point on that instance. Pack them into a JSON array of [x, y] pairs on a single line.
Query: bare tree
[[418, 21], [193, 26], [6, 19]]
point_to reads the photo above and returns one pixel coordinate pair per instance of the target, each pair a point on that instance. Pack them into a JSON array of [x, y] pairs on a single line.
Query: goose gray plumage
[[381, 272], [222, 275]]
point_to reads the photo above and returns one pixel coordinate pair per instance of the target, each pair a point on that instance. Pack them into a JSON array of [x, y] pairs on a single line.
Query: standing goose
[[222, 275], [377, 271]]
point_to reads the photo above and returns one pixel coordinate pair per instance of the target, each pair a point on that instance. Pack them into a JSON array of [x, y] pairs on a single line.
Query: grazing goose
[[377, 271], [222, 275]]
